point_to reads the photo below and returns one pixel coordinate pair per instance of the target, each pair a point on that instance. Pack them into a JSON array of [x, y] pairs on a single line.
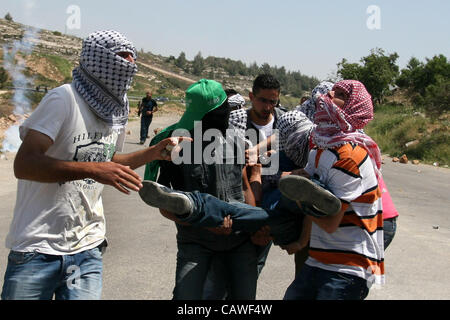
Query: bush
[[432, 148], [8, 17], [393, 127], [437, 98]]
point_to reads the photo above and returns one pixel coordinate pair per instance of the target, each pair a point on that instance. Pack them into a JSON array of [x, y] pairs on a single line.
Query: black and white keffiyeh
[[309, 106], [238, 121], [103, 78], [294, 132], [236, 101]]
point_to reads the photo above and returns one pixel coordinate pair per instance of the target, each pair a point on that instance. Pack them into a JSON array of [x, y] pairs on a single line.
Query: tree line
[[292, 82], [427, 83]]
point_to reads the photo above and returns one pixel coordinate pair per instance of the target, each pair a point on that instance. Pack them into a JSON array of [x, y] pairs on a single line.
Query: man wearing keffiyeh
[[348, 245], [67, 155]]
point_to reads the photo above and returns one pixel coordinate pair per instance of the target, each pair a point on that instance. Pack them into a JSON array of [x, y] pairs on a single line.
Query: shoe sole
[[298, 188], [154, 196]]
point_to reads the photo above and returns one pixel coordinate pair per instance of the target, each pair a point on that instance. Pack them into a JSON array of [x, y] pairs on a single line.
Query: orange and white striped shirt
[[356, 247]]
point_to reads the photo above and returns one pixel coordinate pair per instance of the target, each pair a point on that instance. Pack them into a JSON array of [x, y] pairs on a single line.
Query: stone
[[403, 159], [415, 162], [395, 159]]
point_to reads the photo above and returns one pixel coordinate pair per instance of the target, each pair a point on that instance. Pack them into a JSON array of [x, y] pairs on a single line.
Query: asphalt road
[[140, 261]]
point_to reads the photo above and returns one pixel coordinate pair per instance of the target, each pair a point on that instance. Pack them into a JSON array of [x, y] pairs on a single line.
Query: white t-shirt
[[67, 217], [265, 130]]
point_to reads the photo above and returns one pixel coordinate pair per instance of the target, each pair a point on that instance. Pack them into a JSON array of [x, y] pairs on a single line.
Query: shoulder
[[349, 158], [280, 110], [350, 151]]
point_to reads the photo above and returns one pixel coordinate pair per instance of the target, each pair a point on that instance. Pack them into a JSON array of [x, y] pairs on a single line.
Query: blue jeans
[[37, 276], [389, 229], [284, 218], [319, 284], [194, 262]]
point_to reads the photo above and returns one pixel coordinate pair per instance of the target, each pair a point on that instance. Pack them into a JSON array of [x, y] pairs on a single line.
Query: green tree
[[266, 68], [253, 69], [8, 17], [349, 70], [437, 97], [378, 72], [198, 65], [417, 76], [180, 62]]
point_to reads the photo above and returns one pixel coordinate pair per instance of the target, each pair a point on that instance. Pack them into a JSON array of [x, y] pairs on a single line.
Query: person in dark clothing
[[198, 247], [147, 108]]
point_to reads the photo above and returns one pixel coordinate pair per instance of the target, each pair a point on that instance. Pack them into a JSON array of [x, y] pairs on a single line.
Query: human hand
[[262, 237], [300, 172], [251, 155], [293, 247], [225, 229], [168, 147], [119, 176]]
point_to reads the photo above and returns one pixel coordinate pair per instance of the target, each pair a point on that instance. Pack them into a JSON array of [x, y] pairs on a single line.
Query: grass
[[394, 126], [63, 65]]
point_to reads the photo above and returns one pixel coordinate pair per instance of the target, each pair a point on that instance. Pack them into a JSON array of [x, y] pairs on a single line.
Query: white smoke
[[15, 65]]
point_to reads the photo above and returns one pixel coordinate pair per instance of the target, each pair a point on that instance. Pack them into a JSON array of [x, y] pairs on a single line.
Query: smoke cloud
[[14, 63]]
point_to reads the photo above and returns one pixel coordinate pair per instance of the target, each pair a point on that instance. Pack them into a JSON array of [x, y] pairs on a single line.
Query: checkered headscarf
[[236, 101], [337, 126], [294, 132], [103, 78], [309, 106]]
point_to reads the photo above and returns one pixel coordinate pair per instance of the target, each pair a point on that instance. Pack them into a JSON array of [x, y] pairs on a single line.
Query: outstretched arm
[[139, 158], [31, 163]]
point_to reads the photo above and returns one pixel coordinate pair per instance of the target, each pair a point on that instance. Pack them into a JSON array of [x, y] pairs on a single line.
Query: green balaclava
[[201, 97]]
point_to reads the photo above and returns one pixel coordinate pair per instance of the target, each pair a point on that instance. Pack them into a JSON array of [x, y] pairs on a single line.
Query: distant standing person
[[147, 109]]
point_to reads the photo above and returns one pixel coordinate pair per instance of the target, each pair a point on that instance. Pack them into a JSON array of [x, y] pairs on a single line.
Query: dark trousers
[[145, 124]]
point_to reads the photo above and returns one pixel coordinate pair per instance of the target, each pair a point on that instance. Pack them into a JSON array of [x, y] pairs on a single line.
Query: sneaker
[[318, 201], [159, 196], [141, 142]]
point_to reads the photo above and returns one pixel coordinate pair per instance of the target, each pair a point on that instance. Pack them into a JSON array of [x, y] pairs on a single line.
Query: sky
[[307, 36]]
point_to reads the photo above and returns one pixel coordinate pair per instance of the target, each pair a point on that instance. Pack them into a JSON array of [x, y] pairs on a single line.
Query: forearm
[[330, 223], [256, 189], [266, 145], [306, 231], [136, 159], [41, 168]]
